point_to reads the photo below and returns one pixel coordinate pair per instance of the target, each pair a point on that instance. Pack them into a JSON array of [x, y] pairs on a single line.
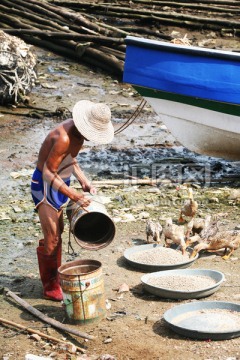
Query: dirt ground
[[134, 328]]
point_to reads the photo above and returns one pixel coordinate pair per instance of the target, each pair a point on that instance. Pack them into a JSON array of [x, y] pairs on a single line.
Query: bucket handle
[[83, 309], [69, 233]]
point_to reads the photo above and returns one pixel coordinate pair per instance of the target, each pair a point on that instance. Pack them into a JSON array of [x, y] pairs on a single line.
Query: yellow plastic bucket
[[83, 290]]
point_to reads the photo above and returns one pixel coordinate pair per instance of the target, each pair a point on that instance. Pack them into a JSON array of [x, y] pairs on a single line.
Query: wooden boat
[[195, 91]]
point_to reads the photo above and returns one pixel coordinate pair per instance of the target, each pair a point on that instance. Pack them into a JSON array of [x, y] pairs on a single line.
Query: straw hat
[[93, 121]]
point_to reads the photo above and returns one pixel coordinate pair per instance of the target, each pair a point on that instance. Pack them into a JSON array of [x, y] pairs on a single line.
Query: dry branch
[[74, 18], [129, 12], [33, 331], [164, 17], [23, 6], [199, 6], [137, 30], [59, 15], [154, 2], [47, 319], [91, 56], [30, 18], [65, 36]]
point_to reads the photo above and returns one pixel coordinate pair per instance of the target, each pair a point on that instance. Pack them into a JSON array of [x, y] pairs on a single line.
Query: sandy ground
[[134, 328]]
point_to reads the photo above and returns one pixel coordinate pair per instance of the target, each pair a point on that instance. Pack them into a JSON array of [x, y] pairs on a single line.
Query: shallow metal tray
[[179, 294], [152, 268], [190, 320]]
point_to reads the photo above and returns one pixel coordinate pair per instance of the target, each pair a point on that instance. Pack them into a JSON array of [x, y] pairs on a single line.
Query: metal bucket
[[92, 227], [83, 290]]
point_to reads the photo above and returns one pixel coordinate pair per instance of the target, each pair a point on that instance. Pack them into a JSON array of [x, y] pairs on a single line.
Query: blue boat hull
[[196, 92]]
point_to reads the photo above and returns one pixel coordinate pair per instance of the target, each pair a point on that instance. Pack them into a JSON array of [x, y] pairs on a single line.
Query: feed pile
[[187, 283], [159, 256]]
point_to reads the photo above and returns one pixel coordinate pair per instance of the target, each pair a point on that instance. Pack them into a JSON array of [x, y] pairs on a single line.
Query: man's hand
[[83, 180], [83, 201], [93, 190], [89, 188]]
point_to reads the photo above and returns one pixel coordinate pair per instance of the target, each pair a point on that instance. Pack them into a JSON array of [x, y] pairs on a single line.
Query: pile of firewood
[[221, 16], [65, 32], [94, 32]]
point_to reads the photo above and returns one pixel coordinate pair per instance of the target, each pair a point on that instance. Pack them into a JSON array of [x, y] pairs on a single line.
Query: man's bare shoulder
[[61, 131], [64, 126]]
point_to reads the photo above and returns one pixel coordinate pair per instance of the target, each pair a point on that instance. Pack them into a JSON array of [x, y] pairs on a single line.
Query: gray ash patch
[[176, 164]]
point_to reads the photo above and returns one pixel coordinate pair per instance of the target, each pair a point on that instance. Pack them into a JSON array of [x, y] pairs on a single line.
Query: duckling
[[189, 207], [229, 239], [210, 230], [196, 225], [176, 233], [189, 229], [154, 229]]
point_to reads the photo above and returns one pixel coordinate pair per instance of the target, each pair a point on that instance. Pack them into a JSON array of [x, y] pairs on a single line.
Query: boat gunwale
[[184, 49]]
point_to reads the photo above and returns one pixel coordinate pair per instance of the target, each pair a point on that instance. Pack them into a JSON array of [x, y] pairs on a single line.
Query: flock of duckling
[[200, 233]]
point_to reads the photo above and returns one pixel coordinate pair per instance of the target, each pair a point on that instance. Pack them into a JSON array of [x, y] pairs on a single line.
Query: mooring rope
[[132, 117]]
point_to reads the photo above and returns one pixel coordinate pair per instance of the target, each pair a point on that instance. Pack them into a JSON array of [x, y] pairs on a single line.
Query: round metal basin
[[206, 320], [151, 267], [217, 276]]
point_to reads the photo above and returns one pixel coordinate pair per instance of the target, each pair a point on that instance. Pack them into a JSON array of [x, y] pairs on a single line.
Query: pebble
[[106, 357], [35, 337], [108, 304], [108, 340], [143, 215], [123, 288]]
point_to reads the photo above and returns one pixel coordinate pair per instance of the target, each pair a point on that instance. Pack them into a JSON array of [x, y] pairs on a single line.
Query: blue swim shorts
[[42, 192]]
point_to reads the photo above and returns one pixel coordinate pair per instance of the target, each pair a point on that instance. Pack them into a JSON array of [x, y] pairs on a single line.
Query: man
[[51, 179]]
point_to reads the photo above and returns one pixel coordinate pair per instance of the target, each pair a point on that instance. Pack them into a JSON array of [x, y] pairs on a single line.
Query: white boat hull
[[219, 137]]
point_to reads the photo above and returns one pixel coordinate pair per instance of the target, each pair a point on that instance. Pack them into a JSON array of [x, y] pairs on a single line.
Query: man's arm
[[83, 180], [50, 171]]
